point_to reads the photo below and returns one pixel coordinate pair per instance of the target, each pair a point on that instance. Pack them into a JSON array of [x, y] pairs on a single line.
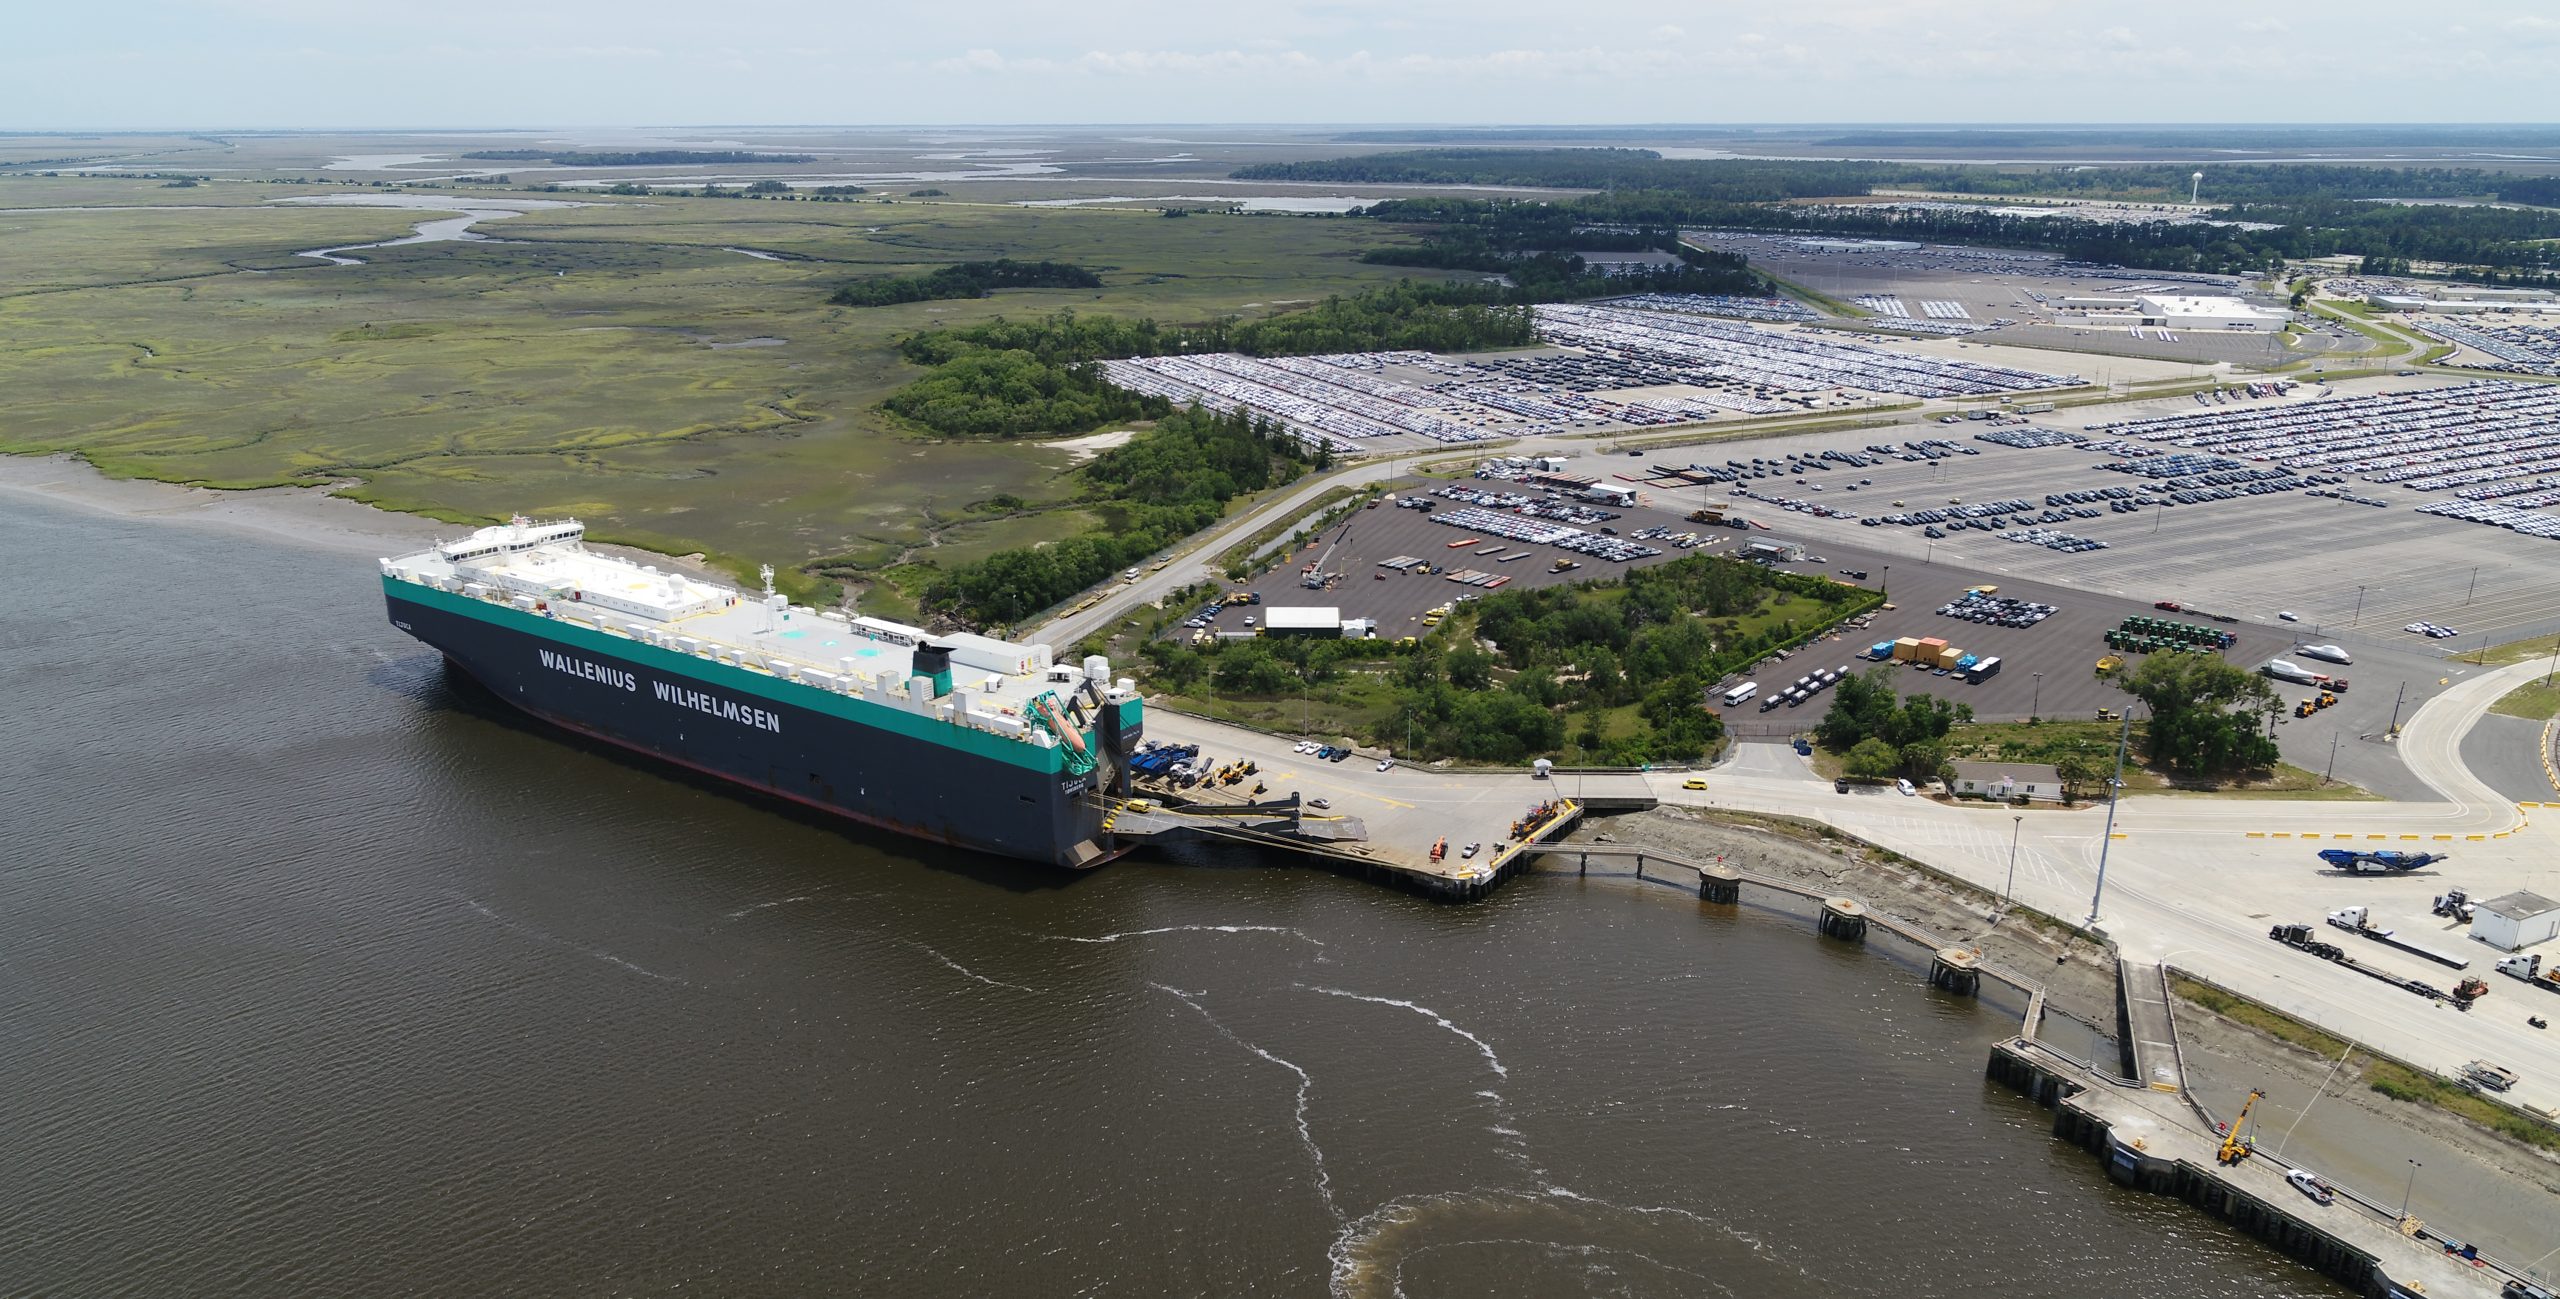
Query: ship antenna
[[765, 571]]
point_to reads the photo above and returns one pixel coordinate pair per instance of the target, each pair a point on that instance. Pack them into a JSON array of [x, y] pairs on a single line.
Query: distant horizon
[[1342, 125], [298, 65]]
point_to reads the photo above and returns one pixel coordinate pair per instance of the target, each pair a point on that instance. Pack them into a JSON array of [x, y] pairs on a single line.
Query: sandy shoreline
[[307, 517], [304, 516]]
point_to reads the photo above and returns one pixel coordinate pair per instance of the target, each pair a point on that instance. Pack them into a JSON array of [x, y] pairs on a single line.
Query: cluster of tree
[[1881, 733], [634, 158], [1008, 378], [1160, 486], [2539, 191], [1568, 664], [964, 280], [2207, 717]]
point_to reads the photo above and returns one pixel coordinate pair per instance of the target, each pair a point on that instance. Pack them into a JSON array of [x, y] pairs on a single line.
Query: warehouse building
[[2186, 311]]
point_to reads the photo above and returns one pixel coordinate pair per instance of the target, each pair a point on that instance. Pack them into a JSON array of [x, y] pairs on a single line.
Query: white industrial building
[[2174, 311], [2518, 920], [2037, 781], [2186, 311]]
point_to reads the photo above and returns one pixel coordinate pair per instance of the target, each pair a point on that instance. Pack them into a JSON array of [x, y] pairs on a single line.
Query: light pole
[[2333, 759], [2035, 702], [2115, 795], [2414, 1166], [2555, 663], [2475, 584], [2006, 890], [1884, 584], [2358, 615]]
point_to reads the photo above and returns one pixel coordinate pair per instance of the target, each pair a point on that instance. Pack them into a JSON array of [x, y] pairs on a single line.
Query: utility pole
[[2036, 702], [1884, 584], [2333, 759], [2007, 890], [2115, 795], [2414, 1166], [2395, 708]]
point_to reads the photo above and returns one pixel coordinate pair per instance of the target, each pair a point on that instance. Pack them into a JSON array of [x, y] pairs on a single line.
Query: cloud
[[2121, 38]]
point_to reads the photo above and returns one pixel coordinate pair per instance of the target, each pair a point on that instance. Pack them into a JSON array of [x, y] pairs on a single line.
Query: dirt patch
[[2079, 974]]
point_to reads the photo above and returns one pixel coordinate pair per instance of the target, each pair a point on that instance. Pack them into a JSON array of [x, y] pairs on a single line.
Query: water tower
[[2195, 187]]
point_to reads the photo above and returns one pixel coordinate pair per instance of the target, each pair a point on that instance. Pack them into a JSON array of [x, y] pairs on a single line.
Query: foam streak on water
[[1306, 1084]]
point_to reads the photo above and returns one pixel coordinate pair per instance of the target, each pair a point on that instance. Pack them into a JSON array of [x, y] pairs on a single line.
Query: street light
[[2358, 616], [2414, 1166], [2015, 823], [1884, 584], [2036, 701]]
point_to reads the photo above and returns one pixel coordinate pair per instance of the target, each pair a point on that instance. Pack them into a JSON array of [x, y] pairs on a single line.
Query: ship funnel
[[933, 663]]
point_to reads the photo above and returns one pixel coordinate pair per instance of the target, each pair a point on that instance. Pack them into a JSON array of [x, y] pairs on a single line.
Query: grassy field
[[2050, 741], [2539, 700], [618, 361]]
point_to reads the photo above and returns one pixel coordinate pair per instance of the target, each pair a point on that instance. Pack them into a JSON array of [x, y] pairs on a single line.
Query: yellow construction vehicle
[[2235, 1147]]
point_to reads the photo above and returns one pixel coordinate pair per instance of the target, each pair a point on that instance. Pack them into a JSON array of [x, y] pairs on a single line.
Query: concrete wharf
[[2149, 1129]]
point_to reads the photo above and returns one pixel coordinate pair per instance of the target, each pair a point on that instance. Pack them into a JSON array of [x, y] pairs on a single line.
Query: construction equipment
[[2379, 860], [2108, 664], [2454, 904], [2236, 1147], [2471, 989]]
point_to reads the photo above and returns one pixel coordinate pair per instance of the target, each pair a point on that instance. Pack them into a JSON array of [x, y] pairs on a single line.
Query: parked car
[[1840, 785], [1471, 850], [1386, 764], [1903, 787]]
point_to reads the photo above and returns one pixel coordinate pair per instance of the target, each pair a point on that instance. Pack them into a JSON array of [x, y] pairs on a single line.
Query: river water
[[319, 976]]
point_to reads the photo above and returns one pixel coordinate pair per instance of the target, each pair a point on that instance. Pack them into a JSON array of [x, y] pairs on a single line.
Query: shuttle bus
[[1741, 694], [1983, 670]]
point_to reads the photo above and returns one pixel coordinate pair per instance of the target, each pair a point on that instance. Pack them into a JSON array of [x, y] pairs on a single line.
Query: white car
[[1320, 804], [2287, 615], [1386, 764], [1903, 787], [1306, 746], [1471, 850]]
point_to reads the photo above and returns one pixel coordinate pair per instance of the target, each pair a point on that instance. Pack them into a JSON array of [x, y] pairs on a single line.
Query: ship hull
[[708, 718]]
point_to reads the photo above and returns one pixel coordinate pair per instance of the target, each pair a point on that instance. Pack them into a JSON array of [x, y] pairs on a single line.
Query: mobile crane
[[2234, 1147]]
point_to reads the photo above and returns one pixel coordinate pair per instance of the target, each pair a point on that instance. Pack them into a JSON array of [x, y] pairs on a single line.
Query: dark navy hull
[[645, 699]]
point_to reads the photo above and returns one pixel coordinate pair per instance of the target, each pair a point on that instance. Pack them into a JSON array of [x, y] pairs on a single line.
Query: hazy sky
[[330, 63]]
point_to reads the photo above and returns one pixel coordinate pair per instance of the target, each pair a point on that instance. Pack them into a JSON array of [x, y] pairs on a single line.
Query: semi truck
[[2528, 967]]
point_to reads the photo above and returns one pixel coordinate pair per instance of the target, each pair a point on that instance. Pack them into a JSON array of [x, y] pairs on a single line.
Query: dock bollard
[[1956, 970], [1844, 918], [1720, 883]]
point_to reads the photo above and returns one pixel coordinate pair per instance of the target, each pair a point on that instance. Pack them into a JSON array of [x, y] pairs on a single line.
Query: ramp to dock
[[2149, 1034]]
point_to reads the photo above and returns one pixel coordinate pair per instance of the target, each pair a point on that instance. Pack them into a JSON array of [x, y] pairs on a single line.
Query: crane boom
[[2234, 1147]]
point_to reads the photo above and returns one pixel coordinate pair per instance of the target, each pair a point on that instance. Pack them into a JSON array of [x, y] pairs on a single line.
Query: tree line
[[964, 280], [634, 158], [1768, 180], [1161, 486], [1014, 378]]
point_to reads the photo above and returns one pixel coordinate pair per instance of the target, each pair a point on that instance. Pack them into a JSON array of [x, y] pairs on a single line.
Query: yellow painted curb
[[2475, 838], [2257, 834], [2408, 836], [2117, 835], [2443, 837]]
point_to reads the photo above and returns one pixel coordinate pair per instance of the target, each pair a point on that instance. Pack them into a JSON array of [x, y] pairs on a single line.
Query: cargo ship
[[964, 740]]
